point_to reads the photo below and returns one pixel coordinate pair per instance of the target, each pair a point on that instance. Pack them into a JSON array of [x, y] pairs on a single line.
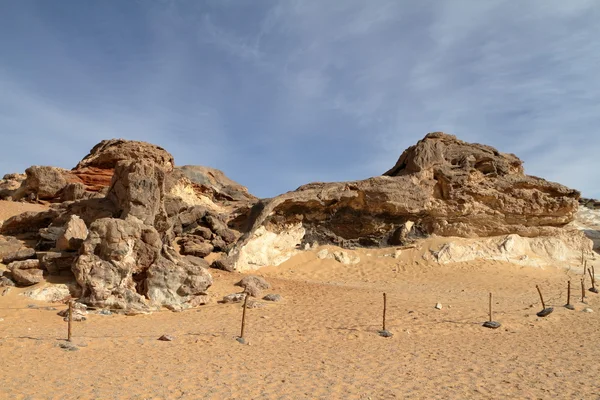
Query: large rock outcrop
[[440, 186], [96, 169]]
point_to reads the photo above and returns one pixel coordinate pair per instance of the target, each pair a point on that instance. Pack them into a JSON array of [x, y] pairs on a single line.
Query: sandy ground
[[321, 342]]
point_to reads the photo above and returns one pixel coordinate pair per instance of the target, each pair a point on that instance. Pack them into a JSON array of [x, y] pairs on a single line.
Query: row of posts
[[385, 333]]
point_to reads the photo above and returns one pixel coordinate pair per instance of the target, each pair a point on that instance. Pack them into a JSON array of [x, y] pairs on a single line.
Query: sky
[[279, 93]]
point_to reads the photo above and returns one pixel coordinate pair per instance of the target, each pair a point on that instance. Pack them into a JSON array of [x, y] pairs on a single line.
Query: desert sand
[[321, 341]]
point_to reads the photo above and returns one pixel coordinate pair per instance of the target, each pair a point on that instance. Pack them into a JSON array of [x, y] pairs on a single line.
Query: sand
[[321, 341]]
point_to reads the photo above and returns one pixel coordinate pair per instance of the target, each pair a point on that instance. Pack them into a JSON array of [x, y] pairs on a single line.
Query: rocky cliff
[[440, 186]]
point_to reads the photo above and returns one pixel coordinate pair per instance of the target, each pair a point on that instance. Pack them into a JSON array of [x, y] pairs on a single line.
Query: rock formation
[[116, 219], [440, 186]]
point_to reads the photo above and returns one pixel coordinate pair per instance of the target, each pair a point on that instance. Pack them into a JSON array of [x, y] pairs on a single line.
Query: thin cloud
[[279, 93]]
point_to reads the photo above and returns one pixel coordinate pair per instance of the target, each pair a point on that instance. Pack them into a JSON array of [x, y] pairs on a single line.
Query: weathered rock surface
[[440, 186], [56, 262], [26, 272], [215, 184], [113, 261], [72, 235]]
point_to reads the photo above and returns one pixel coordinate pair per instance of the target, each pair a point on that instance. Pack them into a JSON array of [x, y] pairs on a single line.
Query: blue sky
[[279, 93]]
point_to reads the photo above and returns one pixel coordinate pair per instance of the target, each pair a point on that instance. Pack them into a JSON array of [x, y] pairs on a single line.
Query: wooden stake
[[70, 320], [244, 317], [384, 309], [582, 290], [541, 297], [593, 277], [569, 293], [491, 307]]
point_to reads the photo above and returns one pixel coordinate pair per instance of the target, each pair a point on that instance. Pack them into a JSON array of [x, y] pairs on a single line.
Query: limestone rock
[[137, 189], [113, 261], [51, 294], [9, 185], [234, 298], [18, 255], [345, 258], [73, 235], [45, 182], [440, 186], [225, 264], [195, 248], [253, 285], [26, 272], [176, 283], [273, 297]]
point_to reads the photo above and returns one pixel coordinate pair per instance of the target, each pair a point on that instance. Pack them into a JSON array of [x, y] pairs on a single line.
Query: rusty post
[[70, 320], [384, 309], [541, 297], [244, 317]]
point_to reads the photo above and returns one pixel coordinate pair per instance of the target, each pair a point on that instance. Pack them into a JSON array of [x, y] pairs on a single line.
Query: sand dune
[[321, 341]]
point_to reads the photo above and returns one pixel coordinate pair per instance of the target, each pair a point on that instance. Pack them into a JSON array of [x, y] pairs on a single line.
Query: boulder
[[225, 264], [273, 297], [56, 293], [72, 235], [26, 272], [74, 191], [253, 285], [176, 283], [233, 298], [137, 189], [10, 184], [108, 153], [18, 255], [45, 182], [198, 249], [113, 262]]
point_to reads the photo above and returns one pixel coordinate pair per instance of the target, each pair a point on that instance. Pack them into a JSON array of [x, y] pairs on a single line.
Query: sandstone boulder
[[96, 170], [45, 182], [26, 272], [72, 235]]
